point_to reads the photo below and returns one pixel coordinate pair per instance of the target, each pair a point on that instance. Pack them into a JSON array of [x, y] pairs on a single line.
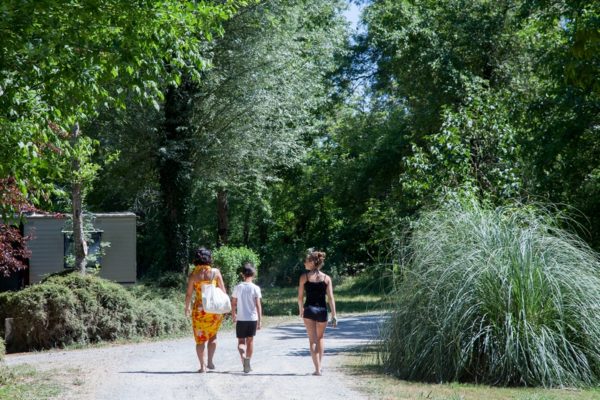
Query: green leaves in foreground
[[501, 296]]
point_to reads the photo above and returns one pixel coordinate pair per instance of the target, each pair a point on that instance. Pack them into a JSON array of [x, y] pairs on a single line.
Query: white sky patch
[[352, 14]]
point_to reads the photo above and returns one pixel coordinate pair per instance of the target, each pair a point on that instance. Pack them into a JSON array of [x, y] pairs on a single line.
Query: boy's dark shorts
[[244, 329]]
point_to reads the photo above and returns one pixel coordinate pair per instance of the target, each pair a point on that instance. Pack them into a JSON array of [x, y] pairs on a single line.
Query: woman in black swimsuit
[[314, 310]]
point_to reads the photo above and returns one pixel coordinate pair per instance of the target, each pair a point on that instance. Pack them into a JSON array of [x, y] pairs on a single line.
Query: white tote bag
[[214, 300]]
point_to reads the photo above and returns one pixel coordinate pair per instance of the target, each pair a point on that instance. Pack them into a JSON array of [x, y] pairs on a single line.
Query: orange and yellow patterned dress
[[205, 325]]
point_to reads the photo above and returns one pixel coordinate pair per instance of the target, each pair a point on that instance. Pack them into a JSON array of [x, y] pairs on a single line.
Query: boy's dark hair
[[248, 269]]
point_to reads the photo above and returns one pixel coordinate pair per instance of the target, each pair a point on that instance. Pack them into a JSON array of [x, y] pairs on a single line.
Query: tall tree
[[258, 104], [60, 59]]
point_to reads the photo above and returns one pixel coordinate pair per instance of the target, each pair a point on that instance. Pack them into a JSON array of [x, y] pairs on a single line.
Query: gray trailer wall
[[119, 262], [47, 246]]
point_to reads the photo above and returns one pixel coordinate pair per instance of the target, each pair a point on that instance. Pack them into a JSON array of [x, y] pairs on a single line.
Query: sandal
[[247, 365]]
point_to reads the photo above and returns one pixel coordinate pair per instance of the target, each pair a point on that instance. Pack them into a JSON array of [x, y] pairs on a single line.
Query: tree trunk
[[175, 177], [222, 218], [79, 243], [246, 239]]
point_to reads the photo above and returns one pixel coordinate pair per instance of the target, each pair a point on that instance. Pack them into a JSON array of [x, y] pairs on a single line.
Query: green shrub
[[2, 350], [4, 309], [85, 308], [230, 260], [161, 317], [107, 309], [496, 296], [45, 315], [171, 280]]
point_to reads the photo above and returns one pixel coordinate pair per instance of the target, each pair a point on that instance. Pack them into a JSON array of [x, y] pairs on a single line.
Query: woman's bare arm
[[330, 298], [301, 294], [220, 282], [188, 294]]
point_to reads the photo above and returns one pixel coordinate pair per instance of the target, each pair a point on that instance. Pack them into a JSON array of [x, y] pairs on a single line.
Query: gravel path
[[281, 366]]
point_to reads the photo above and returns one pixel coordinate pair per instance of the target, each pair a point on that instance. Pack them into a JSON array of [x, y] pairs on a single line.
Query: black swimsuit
[[315, 306]]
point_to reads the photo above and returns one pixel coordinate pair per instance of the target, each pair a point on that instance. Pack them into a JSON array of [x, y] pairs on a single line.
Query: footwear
[[247, 365], [211, 366], [317, 373]]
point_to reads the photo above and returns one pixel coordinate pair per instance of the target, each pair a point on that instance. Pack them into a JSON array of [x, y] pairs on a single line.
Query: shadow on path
[[365, 327], [209, 373], [159, 372]]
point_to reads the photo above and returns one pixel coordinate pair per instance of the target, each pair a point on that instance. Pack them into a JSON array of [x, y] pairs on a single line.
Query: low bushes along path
[[281, 365]]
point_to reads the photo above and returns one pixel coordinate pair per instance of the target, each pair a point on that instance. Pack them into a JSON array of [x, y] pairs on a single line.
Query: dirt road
[[281, 365]]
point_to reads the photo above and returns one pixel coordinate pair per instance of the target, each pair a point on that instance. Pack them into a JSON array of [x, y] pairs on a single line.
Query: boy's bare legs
[[242, 348], [212, 346], [200, 354], [249, 347], [246, 348]]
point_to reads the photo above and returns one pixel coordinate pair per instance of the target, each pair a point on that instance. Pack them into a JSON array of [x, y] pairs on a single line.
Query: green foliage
[[59, 62], [159, 309], [107, 309], [85, 309], [267, 81], [230, 260], [2, 350], [45, 316], [475, 149], [498, 296]]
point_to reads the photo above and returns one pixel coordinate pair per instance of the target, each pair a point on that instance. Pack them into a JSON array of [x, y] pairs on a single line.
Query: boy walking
[[246, 313]]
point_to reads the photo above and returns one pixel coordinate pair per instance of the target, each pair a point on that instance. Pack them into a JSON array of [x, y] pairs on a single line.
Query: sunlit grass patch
[[284, 301], [369, 377], [23, 382]]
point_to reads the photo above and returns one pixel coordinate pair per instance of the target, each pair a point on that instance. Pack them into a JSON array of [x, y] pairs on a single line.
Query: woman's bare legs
[[200, 353], [321, 341], [316, 331], [212, 346]]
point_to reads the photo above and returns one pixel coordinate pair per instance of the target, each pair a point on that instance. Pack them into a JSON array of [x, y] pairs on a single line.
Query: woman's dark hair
[[317, 257], [203, 256]]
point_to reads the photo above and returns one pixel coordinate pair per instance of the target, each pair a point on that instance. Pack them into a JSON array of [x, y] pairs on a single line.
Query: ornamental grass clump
[[501, 297]]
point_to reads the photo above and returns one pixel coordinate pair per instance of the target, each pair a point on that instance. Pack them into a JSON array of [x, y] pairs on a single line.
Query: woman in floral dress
[[205, 325]]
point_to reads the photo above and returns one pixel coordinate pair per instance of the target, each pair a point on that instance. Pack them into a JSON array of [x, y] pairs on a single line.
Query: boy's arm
[[259, 311], [233, 308]]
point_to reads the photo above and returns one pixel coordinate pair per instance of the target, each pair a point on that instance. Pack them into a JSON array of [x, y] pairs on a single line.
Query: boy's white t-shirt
[[246, 294]]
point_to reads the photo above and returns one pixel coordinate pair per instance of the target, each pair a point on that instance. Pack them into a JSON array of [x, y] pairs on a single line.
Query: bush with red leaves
[[13, 245], [13, 250]]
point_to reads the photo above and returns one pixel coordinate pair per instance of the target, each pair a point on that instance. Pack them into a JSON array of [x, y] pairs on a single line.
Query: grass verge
[[23, 382], [349, 298], [370, 379]]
